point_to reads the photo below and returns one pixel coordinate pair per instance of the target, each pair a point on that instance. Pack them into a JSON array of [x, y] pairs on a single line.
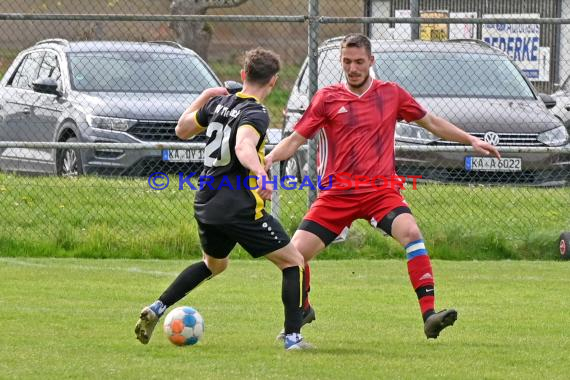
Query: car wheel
[[68, 162], [564, 243]]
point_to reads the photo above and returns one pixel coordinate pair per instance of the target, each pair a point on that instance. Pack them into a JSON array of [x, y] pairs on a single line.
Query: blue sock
[[158, 307]]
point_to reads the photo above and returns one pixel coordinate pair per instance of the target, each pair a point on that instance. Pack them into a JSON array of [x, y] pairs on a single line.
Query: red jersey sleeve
[[409, 109], [313, 118]]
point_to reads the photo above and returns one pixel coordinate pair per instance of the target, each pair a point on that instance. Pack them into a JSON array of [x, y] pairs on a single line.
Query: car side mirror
[[233, 86], [46, 86], [548, 100], [556, 87]]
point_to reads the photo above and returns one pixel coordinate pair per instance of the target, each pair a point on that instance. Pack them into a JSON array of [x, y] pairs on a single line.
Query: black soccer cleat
[[438, 321], [308, 317]]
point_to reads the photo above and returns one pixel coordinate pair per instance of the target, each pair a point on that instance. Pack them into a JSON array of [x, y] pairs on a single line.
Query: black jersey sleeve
[[204, 114], [258, 118]]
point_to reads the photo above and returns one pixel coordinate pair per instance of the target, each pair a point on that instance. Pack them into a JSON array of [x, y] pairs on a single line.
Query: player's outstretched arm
[[187, 126], [247, 139], [285, 149], [448, 131]]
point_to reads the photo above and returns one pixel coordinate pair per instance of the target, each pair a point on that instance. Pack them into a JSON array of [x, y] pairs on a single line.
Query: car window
[[50, 68], [453, 74], [330, 71], [304, 82], [566, 85], [27, 71], [18, 73], [139, 71]]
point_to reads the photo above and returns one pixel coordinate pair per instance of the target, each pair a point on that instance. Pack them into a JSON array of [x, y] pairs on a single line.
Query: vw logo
[[491, 138]]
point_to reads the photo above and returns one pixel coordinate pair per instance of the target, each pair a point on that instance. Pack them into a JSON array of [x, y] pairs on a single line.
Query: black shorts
[[257, 237]]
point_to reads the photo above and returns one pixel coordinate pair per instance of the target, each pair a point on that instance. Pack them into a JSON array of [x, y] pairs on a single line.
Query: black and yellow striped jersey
[[226, 194]]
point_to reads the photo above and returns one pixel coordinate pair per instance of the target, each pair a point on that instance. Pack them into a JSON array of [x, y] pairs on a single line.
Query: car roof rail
[[168, 43], [332, 40], [58, 41], [471, 40]]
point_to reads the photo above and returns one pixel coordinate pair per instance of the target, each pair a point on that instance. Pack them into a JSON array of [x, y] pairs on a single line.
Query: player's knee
[[297, 243], [296, 259], [412, 233], [291, 258], [308, 244], [216, 266]]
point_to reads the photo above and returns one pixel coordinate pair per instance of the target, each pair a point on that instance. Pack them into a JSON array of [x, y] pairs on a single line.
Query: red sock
[[307, 278], [421, 276]]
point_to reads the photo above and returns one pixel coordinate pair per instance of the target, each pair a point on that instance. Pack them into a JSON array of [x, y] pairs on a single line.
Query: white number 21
[[217, 151]]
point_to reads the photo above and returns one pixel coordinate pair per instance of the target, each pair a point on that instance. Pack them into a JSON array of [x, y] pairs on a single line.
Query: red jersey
[[357, 133]]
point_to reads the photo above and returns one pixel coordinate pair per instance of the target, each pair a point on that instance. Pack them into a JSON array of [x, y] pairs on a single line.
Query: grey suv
[[99, 91], [469, 83]]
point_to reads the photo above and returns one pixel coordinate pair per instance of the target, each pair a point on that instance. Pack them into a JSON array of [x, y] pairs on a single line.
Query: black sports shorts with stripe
[[258, 237]]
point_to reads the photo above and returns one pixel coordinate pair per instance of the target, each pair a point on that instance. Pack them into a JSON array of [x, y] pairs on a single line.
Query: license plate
[[183, 155], [493, 164]]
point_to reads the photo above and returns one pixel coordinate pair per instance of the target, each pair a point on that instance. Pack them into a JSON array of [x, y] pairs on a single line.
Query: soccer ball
[[184, 326]]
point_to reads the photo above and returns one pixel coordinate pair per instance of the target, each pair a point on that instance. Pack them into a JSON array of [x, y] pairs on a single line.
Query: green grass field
[[74, 318], [123, 218]]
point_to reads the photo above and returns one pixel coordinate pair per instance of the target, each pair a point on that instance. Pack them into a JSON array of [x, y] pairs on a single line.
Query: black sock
[[187, 280], [292, 297]]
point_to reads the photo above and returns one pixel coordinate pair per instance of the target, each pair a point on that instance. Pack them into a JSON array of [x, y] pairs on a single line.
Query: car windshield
[[130, 71], [453, 74]]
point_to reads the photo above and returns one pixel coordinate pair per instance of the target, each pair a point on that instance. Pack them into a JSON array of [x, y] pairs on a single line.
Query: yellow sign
[[434, 32]]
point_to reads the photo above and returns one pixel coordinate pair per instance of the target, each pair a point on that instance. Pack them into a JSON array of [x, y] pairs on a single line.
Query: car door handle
[[27, 110]]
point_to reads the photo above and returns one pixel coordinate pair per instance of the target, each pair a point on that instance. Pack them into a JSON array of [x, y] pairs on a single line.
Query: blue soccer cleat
[[308, 317], [296, 342]]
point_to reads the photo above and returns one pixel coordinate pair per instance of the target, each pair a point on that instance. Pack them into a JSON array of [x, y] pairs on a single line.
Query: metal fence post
[[275, 206], [415, 12], [313, 87]]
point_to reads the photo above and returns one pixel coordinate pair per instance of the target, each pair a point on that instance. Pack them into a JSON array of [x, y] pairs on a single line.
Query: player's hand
[[268, 163], [481, 146], [216, 91], [264, 187]]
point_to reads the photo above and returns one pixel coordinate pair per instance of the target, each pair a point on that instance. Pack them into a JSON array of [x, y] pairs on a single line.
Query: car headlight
[[110, 123], [413, 134], [554, 137]]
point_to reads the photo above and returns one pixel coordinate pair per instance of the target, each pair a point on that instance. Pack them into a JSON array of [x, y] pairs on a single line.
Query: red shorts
[[337, 211]]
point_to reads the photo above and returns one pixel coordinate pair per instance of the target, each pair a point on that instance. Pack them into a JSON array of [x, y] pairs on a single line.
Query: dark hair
[[261, 65], [356, 40]]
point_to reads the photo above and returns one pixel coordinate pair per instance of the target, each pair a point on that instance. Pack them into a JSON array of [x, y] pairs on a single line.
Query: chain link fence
[[92, 91]]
